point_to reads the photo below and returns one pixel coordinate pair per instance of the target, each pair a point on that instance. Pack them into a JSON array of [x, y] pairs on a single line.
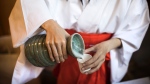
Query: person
[[112, 31]]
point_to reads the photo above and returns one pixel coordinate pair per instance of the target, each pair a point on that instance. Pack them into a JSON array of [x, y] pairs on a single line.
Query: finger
[[89, 49], [94, 69], [94, 64], [55, 53], [50, 51], [59, 50], [64, 50], [92, 60]]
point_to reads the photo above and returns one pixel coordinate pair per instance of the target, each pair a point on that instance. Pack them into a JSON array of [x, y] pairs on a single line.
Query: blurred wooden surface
[[5, 9]]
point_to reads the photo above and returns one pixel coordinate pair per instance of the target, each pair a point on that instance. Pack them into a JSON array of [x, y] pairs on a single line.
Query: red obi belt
[[68, 72]]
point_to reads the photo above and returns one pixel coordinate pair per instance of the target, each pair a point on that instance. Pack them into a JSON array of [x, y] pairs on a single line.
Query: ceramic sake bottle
[[37, 54]]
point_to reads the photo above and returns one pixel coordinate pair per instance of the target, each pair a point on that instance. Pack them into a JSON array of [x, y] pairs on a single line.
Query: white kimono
[[126, 19]]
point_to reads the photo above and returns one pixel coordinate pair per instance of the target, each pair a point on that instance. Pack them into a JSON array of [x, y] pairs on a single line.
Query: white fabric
[[127, 19], [24, 71]]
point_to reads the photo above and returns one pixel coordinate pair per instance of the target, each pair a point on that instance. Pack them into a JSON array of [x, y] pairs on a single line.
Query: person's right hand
[[55, 41]]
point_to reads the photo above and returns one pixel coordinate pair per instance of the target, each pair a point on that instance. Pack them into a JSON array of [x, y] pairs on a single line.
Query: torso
[[96, 17]]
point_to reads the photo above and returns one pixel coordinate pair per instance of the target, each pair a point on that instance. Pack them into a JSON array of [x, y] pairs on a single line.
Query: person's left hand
[[97, 60], [100, 50]]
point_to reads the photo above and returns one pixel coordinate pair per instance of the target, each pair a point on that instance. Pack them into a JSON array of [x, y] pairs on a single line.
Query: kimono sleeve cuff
[[124, 52]]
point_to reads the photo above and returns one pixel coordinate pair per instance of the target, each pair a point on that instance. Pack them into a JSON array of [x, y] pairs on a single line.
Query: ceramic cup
[[85, 58]]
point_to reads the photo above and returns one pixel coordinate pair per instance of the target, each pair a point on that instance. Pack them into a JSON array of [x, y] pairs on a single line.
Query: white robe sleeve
[[24, 71], [25, 19], [131, 32]]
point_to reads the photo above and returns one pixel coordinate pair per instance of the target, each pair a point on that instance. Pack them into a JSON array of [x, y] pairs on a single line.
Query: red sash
[[68, 72]]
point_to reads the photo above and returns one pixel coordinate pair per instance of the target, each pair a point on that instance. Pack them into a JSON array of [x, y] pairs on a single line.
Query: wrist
[[47, 25], [114, 43]]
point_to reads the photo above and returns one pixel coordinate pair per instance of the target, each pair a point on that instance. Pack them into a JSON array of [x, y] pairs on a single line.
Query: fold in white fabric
[[24, 70], [126, 19]]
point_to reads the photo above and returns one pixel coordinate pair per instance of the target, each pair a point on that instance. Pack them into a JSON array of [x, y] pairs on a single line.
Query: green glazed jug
[[37, 54]]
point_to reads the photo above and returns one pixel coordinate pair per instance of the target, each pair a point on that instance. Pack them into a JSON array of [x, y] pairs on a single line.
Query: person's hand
[[100, 50], [55, 41]]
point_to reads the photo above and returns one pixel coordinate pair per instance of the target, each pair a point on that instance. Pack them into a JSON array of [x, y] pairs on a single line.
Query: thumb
[[89, 49]]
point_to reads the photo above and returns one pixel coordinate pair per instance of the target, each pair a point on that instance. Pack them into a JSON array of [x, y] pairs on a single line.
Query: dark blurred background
[[139, 64]]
